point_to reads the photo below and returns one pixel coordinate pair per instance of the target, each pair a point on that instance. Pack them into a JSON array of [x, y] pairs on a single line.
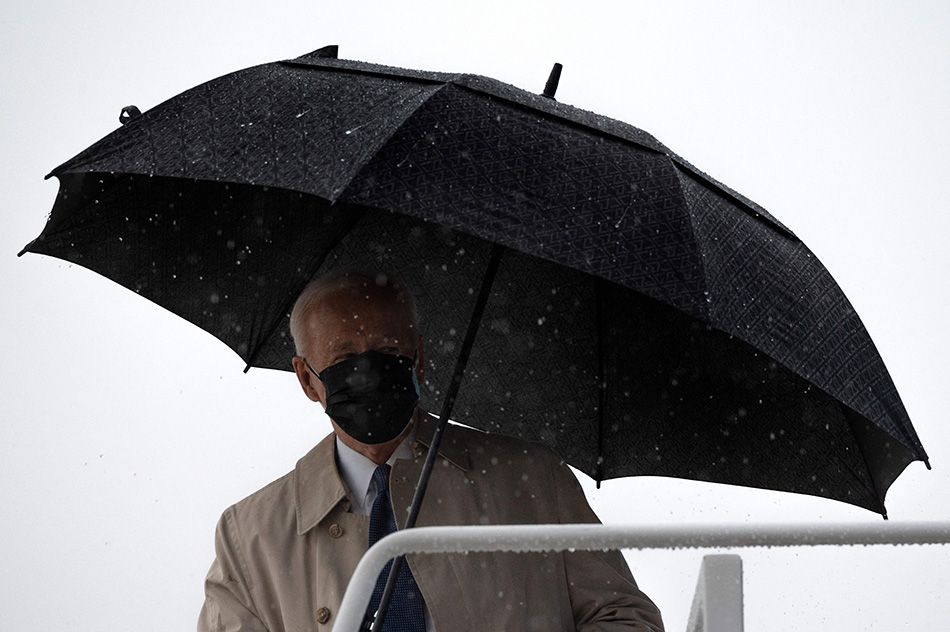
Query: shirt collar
[[357, 471], [319, 487]]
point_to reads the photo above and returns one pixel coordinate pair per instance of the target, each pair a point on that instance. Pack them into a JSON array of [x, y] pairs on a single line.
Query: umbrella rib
[[750, 207], [870, 475], [705, 305], [357, 214], [661, 149], [601, 377], [343, 189]]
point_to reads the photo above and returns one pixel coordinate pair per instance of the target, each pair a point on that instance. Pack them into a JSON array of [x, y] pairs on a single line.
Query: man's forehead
[[347, 340], [359, 307], [341, 316]]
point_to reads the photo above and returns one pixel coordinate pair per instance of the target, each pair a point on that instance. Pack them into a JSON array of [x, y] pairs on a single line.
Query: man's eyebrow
[[340, 345]]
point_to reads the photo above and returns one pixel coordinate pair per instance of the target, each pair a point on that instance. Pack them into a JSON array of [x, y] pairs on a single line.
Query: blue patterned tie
[[406, 610]]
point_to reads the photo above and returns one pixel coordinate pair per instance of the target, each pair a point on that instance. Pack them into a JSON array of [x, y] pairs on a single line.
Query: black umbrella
[[644, 319], [598, 292]]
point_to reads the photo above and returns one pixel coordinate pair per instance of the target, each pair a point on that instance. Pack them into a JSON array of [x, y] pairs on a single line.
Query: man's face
[[351, 321]]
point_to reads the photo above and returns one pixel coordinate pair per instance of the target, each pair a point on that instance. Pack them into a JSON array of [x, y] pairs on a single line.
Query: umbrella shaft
[[435, 443]]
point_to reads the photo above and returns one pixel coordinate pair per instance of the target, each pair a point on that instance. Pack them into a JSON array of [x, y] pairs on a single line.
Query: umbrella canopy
[[644, 319]]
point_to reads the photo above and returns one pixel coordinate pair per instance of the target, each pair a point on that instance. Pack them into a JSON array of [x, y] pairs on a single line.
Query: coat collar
[[318, 486], [451, 449]]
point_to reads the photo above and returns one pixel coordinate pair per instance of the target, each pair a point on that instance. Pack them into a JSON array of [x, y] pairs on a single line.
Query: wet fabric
[[285, 554], [646, 319]]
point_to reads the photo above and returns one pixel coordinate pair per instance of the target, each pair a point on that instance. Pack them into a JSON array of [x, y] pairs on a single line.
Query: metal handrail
[[717, 602], [593, 537]]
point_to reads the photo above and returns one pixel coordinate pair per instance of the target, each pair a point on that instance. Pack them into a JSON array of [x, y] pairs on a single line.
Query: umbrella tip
[[332, 51], [128, 113], [247, 368], [884, 514], [927, 463], [551, 86], [27, 247]]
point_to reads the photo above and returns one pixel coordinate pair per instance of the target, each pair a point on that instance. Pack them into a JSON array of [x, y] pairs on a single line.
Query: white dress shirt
[[357, 472]]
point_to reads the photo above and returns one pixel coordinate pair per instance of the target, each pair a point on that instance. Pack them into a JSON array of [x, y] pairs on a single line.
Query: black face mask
[[371, 395]]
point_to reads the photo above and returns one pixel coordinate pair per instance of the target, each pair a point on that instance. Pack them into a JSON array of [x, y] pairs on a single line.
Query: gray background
[[124, 431]]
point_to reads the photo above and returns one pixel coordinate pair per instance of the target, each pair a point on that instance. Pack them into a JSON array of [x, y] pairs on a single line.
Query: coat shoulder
[[273, 499], [481, 441], [490, 449]]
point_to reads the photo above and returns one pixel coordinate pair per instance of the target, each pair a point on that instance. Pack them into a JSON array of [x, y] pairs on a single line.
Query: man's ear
[[307, 380]]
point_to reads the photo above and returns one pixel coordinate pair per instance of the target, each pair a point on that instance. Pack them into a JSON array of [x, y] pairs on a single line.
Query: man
[[286, 553]]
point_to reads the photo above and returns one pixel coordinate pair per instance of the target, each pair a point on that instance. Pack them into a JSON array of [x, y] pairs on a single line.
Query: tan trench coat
[[286, 553]]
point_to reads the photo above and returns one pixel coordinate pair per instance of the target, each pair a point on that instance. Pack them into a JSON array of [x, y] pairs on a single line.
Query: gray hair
[[341, 279]]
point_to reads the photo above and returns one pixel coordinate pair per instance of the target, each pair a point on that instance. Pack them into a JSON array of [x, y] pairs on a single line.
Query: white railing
[[717, 603], [595, 537]]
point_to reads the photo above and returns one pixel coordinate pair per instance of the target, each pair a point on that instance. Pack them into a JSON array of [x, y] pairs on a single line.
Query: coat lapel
[[452, 450], [318, 487]]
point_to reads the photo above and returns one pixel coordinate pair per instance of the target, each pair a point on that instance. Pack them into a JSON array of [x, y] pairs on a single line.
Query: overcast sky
[[125, 431]]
